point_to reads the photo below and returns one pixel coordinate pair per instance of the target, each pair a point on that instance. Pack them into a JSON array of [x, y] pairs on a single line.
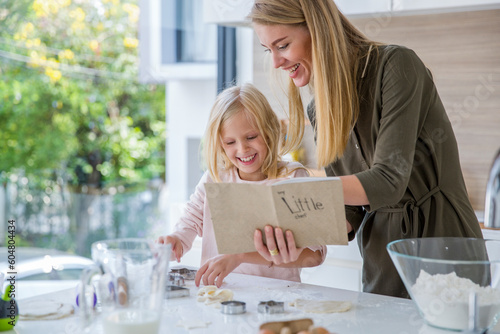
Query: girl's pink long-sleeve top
[[197, 220]]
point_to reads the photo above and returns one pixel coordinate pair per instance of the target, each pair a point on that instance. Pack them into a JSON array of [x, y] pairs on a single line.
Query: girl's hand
[[177, 249], [216, 269], [277, 250]]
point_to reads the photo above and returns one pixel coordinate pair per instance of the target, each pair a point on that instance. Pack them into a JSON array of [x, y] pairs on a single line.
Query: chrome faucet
[[492, 205]]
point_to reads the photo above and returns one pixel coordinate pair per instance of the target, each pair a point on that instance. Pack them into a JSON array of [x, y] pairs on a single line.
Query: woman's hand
[[349, 227], [216, 269], [278, 250], [177, 248]]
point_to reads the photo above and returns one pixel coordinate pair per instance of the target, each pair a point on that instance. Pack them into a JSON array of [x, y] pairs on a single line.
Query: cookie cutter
[[233, 307], [174, 291], [187, 274], [176, 279], [271, 307]]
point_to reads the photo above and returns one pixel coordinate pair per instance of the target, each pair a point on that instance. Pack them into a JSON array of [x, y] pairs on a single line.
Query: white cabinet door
[[234, 12], [491, 234], [360, 7], [442, 5], [226, 12], [341, 269]]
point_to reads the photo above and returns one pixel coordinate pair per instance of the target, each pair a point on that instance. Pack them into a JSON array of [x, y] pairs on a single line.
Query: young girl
[[242, 144]]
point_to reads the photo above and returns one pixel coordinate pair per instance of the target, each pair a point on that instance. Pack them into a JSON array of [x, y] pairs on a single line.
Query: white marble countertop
[[370, 313]]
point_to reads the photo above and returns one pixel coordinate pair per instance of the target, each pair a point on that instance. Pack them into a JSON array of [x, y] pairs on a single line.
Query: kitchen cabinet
[[443, 5], [226, 12], [341, 269], [491, 234], [361, 7], [412, 7], [408, 7], [233, 12]]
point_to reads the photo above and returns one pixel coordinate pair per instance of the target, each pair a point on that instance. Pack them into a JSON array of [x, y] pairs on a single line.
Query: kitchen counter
[[370, 313]]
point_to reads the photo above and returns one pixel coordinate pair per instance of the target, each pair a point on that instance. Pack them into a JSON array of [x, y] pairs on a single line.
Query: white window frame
[[151, 68]]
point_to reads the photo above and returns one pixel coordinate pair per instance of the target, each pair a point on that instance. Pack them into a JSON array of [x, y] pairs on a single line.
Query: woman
[[379, 125]]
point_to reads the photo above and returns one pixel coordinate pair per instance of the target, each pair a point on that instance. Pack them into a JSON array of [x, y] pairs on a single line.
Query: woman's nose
[[277, 60]]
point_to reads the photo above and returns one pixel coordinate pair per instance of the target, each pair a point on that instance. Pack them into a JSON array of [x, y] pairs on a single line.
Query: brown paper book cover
[[312, 208]]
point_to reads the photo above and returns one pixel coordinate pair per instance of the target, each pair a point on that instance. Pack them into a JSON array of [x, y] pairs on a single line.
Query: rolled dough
[[321, 306]]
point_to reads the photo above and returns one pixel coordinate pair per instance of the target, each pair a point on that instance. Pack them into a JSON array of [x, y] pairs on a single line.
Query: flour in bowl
[[444, 300]]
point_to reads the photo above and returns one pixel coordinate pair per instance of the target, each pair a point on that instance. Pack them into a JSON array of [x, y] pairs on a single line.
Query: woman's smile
[[290, 48]]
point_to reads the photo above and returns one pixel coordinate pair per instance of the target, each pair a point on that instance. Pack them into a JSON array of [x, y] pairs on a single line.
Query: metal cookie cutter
[[187, 274], [176, 279], [233, 307], [271, 307], [174, 291]]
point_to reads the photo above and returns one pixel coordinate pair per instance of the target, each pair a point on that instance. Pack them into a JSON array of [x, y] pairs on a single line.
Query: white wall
[[188, 104]]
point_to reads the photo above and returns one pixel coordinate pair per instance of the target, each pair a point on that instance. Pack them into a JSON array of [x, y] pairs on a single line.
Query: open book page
[[313, 211], [237, 210]]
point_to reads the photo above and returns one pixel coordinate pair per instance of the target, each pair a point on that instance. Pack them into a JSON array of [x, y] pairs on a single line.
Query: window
[[184, 36], [175, 43]]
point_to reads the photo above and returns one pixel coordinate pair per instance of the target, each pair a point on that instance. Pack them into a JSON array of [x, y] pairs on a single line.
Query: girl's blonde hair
[[248, 99], [336, 51]]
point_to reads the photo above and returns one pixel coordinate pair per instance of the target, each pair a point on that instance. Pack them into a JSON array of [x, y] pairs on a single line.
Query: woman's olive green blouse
[[404, 152]]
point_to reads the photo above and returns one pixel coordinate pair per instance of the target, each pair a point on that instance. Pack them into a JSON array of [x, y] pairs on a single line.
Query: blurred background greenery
[[82, 153]]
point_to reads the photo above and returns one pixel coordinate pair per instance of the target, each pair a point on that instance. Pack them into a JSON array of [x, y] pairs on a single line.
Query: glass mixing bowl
[[443, 274]]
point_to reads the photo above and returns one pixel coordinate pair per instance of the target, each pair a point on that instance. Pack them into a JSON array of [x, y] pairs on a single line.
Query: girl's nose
[[242, 147]]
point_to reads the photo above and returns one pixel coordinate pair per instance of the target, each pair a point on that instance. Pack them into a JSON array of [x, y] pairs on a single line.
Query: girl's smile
[[248, 159]]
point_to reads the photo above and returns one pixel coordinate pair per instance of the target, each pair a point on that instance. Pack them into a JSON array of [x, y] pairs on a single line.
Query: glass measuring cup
[[129, 279]]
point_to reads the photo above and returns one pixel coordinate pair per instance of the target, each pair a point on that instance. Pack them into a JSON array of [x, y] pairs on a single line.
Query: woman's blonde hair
[[248, 99], [336, 51]]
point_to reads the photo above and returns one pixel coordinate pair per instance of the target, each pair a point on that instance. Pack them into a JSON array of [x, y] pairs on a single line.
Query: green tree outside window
[[73, 116]]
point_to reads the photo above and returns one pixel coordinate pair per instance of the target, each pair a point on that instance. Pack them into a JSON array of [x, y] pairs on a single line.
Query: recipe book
[[312, 208]]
